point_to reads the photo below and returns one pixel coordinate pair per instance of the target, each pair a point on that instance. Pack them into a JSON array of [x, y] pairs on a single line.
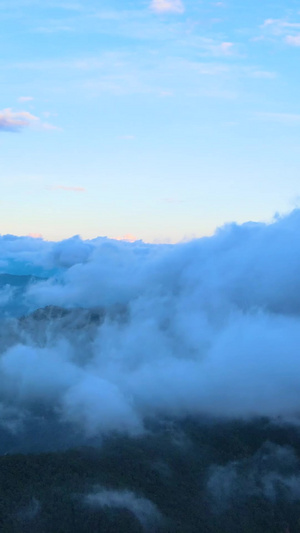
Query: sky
[[157, 120]]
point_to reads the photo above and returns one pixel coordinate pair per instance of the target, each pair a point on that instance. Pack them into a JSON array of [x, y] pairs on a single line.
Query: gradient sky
[[158, 119]]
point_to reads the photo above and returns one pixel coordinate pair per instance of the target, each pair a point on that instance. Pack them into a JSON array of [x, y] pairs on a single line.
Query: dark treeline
[[234, 477]]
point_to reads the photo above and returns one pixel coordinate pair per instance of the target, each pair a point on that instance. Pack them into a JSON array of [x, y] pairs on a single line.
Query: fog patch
[[143, 509], [271, 473], [29, 512]]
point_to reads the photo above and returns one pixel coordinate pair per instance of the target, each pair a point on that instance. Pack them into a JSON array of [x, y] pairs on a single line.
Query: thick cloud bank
[[103, 335]]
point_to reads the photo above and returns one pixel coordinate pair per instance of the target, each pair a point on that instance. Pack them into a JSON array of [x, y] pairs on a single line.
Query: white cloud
[[167, 6], [17, 120]]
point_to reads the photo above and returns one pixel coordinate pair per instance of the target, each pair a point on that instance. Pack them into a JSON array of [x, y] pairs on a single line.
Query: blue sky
[[159, 119]]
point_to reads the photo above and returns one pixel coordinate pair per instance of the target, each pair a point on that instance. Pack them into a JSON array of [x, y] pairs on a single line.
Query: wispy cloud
[[46, 126], [127, 137], [278, 25], [293, 40], [67, 188], [167, 6], [25, 99], [209, 46], [226, 48], [260, 74], [69, 6], [19, 4], [54, 28], [284, 118], [288, 32], [172, 200]]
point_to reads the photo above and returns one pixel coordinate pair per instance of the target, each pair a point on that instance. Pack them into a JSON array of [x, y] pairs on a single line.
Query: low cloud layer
[[107, 334]]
